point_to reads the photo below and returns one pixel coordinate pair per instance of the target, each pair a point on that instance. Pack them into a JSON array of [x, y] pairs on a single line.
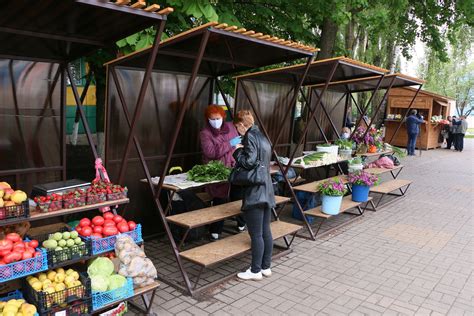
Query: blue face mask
[[216, 123], [345, 135]]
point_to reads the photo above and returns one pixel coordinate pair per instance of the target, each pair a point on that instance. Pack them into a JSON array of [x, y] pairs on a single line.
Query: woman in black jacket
[[258, 200]]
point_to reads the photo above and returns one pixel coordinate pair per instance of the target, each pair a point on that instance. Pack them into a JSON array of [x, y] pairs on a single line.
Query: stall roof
[[64, 30], [229, 50], [318, 72], [437, 97], [370, 83]]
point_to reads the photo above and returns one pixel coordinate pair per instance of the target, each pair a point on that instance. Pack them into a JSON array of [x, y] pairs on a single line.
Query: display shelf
[[35, 216]]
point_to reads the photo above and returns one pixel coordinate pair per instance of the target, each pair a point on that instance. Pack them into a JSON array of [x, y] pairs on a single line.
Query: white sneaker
[[248, 275], [214, 236], [266, 272], [241, 229]]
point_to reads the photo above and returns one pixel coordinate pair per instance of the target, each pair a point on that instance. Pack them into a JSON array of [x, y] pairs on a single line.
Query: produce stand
[[40, 43], [428, 104], [266, 92], [182, 82]]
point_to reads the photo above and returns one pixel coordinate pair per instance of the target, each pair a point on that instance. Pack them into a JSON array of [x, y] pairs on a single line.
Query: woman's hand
[[239, 146]]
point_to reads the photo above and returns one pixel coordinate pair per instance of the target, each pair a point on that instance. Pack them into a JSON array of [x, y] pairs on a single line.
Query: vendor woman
[[218, 141]]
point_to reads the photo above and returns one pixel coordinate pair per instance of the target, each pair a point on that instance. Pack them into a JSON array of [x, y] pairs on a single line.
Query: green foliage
[[213, 171]]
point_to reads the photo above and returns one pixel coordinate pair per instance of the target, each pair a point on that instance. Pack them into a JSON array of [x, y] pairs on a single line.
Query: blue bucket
[[331, 204], [360, 193]]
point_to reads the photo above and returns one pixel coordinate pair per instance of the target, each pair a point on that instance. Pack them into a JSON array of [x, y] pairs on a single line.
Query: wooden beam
[[138, 5], [221, 26], [152, 8], [256, 35], [122, 2], [231, 28], [241, 30], [280, 41], [166, 11], [274, 38], [286, 42], [264, 37], [248, 33]]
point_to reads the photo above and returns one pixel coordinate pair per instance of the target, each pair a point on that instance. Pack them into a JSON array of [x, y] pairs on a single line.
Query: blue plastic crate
[[23, 268], [101, 245], [15, 295], [100, 299]]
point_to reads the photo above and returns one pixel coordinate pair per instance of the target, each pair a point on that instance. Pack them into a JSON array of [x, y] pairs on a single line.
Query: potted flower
[[361, 182], [345, 148], [355, 165], [331, 196], [370, 141]]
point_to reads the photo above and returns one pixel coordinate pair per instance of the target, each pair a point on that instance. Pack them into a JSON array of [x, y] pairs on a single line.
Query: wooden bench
[[312, 187], [379, 171], [386, 188], [346, 205], [209, 215], [229, 247]]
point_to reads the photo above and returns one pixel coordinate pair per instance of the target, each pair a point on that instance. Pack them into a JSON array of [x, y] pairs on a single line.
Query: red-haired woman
[[218, 141]]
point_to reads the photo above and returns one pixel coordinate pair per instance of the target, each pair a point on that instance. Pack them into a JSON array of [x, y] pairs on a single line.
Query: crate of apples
[[103, 229]]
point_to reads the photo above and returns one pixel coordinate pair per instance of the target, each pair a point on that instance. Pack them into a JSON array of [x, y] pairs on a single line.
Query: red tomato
[[97, 235], [26, 255], [86, 231], [85, 222], [123, 227], [6, 244], [132, 225], [33, 244], [16, 255], [79, 230], [9, 258], [98, 221], [117, 219], [2, 263], [110, 231], [98, 230], [14, 237], [109, 222], [108, 215], [37, 254], [19, 246], [3, 253]]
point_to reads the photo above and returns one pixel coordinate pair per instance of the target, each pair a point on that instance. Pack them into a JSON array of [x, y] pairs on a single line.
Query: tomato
[[79, 230], [14, 237], [123, 227], [98, 221], [6, 244], [132, 225], [30, 250], [33, 244], [110, 231], [86, 231], [9, 258], [38, 254], [109, 222], [2, 263], [98, 229], [19, 246], [3, 253], [97, 235], [26, 255], [108, 215], [85, 222], [117, 219]]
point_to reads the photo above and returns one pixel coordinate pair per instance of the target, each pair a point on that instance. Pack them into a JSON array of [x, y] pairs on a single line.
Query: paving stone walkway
[[412, 257]]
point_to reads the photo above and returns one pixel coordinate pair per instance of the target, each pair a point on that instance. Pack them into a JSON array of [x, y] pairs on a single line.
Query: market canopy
[[370, 84], [318, 73], [65, 30], [229, 50]]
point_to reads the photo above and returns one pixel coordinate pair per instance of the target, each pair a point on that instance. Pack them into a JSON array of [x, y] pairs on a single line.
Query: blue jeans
[[411, 143], [258, 225]]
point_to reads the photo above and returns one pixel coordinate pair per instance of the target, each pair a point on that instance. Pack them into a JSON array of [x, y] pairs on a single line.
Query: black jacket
[[256, 146]]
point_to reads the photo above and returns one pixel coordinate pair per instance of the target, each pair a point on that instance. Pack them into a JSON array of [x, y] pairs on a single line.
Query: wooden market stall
[[40, 41], [151, 130], [431, 105]]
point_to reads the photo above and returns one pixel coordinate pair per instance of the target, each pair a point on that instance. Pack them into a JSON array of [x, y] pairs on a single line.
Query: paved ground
[[412, 257]]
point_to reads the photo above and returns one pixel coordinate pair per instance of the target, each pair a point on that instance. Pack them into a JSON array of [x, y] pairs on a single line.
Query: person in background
[[413, 129], [258, 200], [349, 124], [346, 133], [461, 129], [456, 122], [449, 132], [218, 142]]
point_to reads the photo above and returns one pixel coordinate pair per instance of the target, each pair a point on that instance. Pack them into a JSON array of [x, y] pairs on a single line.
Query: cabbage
[[99, 283], [101, 266], [116, 281]]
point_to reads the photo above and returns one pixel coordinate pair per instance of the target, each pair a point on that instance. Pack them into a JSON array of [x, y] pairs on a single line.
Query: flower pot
[[360, 193], [354, 168], [345, 153], [331, 205]]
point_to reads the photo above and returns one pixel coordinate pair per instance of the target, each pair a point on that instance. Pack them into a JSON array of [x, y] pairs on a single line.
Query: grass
[[468, 136], [470, 130]]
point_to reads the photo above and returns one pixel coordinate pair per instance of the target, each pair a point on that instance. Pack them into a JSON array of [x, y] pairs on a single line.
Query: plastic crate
[[106, 244], [78, 308], [74, 202], [100, 299], [96, 198], [15, 295], [47, 302], [68, 254], [117, 196], [15, 211], [23, 268]]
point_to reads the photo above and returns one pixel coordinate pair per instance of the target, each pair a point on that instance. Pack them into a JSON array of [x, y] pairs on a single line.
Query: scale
[[58, 187]]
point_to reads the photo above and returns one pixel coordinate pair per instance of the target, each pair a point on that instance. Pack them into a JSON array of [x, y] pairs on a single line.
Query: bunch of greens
[[344, 143], [213, 171], [355, 161], [313, 157]]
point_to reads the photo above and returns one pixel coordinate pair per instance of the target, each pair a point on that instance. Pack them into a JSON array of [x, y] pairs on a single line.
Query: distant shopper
[[462, 129], [448, 132], [218, 141], [456, 131], [413, 129], [258, 200], [346, 133]]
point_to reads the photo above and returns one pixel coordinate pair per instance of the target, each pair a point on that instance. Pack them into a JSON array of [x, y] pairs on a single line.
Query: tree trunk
[[350, 38], [328, 39]]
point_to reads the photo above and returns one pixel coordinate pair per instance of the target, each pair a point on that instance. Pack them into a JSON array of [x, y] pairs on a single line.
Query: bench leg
[[183, 239], [396, 175], [147, 300], [198, 277], [360, 210], [319, 228], [372, 205], [170, 201], [380, 200]]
